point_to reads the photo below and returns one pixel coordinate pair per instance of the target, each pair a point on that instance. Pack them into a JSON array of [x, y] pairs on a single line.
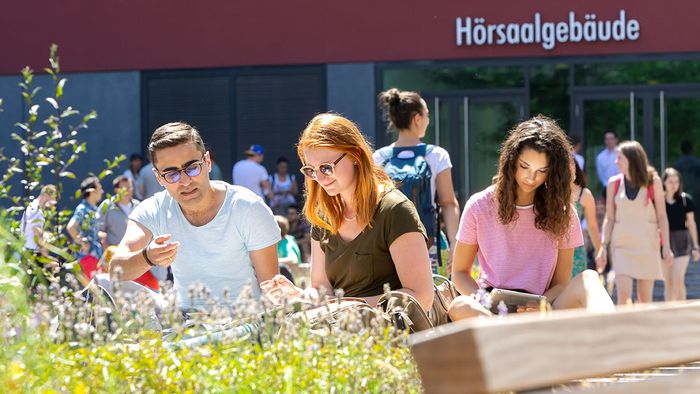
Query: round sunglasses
[[174, 176], [327, 169]]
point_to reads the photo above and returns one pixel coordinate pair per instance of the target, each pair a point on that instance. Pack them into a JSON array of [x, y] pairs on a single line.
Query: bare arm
[[589, 212], [410, 255], [464, 255], [608, 225], [562, 274], [265, 263], [448, 204], [662, 219], [319, 279], [129, 258], [693, 230], [72, 229]]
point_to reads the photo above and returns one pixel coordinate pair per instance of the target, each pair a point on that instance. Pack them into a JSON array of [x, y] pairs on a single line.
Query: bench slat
[[528, 351]]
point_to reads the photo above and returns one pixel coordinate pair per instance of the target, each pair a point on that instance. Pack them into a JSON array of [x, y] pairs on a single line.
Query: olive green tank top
[[362, 266]]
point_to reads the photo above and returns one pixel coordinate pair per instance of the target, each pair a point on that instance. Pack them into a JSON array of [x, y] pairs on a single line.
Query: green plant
[[49, 147]]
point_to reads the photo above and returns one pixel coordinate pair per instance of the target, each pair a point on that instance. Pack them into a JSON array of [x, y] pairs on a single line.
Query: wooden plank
[[527, 351], [682, 383]]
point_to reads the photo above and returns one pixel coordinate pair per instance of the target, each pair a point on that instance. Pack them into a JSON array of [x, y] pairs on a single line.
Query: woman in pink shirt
[[524, 229]]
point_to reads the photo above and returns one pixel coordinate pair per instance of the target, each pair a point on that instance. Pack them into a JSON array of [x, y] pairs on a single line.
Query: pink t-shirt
[[515, 256]]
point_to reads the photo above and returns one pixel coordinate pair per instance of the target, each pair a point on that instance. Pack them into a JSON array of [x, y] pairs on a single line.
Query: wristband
[[145, 257]]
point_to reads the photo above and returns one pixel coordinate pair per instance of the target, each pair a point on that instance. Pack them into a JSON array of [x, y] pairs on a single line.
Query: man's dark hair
[[174, 134], [119, 179], [135, 156], [282, 159], [88, 185], [611, 131], [686, 147], [575, 140]]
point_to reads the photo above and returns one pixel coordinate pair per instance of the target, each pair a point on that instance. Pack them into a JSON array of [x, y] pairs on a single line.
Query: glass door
[[596, 113], [471, 128]]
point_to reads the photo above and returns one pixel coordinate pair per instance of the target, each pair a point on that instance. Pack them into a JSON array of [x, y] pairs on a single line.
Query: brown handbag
[[445, 292]]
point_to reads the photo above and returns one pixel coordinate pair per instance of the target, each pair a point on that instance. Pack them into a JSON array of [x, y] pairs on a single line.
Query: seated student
[[288, 253], [365, 232], [524, 228], [210, 233]]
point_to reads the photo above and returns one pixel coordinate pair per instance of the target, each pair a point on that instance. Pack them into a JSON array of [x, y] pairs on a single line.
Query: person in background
[[300, 229], [689, 167], [288, 253], [283, 188], [134, 170], [605, 162], [576, 145], [83, 227], [33, 219], [408, 114], [585, 210], [524, 228], [635, 216], [680, 210], [113, 217], [215, 174], [147, 185], [250, 173]]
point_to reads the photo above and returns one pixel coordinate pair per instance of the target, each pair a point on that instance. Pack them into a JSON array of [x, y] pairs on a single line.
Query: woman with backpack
[[635, 218], [680, 210], [365, 233], [408, 113], [524, 229]]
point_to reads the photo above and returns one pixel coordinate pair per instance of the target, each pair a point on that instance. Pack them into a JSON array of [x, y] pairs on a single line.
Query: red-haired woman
[[365, 233]]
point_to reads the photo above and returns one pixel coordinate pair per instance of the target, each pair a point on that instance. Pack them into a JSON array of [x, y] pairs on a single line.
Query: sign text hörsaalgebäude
[[472, 31]]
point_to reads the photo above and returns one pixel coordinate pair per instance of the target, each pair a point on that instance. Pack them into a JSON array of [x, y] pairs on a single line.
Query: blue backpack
[[412, 176]]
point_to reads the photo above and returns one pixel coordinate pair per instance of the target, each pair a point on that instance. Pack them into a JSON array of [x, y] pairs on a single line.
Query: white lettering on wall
[[477, 31]]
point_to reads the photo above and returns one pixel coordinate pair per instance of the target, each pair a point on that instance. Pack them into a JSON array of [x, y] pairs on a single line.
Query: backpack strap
[[650, 193], [386, 153]]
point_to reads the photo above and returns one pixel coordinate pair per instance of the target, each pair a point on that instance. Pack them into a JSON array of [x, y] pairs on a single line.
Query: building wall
[[351, 92], [114, 96]]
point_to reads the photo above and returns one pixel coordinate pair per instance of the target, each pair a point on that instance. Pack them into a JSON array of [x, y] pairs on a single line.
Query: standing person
[[680, 210], [215, 174], [134, 170], [689, 167], [524, 228], [404, 161], [33, 219], [635, 215], [250, 173], [147, 184], [365, 233], [210, 233], [83, 227], [283, 188], [113, 217], [605, 162], [576, 145], [585, 210]]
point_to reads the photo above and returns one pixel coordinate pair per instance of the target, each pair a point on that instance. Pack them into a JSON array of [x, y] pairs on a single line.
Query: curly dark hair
[[553, 199]]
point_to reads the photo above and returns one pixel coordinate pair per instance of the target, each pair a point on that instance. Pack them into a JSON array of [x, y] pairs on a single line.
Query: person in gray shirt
[[147, 184], [113, 214]]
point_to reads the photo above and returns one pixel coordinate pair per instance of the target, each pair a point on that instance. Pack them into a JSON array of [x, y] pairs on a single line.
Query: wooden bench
[[534, 350]]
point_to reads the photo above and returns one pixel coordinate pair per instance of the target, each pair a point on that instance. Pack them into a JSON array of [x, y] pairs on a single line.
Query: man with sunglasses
[[210, 233]]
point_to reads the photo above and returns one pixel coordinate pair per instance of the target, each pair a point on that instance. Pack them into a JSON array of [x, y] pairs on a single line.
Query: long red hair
[[338, 133]]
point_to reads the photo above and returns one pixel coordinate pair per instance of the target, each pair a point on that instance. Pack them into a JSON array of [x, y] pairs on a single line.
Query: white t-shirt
[[215, 254], [438, 160], [31, 219], [249, 174]]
